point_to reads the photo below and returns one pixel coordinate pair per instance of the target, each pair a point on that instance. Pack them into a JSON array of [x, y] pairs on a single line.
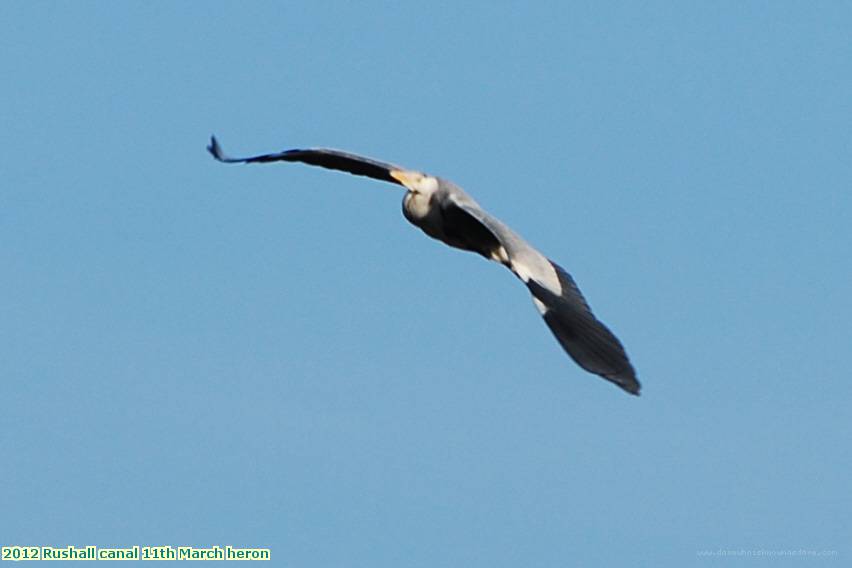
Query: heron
[[443, 211]]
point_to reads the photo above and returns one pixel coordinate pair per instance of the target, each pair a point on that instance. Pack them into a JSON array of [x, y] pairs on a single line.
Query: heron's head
[[416, 182]]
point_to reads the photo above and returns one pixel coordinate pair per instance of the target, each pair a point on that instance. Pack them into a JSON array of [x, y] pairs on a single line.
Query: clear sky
[[271, 356]]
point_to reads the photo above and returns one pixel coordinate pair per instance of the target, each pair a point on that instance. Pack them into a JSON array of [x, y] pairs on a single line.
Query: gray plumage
[[445, 212]]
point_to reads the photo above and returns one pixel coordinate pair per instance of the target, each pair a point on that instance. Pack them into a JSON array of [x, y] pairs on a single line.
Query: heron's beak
[[407, 179]]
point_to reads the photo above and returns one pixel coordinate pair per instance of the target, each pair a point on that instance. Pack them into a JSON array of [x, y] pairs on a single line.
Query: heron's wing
[[322, 157], [589, 342], [585, 338]]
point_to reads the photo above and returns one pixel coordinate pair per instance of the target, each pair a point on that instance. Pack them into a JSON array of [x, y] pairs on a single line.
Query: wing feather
[[322, 157], [565, 311], [583, 336]]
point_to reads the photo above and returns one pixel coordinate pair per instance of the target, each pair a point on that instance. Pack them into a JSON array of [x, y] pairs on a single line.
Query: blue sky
[[271, 356]]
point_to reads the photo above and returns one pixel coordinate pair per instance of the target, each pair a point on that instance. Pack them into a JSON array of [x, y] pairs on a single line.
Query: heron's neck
[[416, 207]]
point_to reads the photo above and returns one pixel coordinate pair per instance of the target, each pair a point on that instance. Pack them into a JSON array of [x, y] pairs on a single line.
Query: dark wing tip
[[627, 383], [216, 151], [214, 148]]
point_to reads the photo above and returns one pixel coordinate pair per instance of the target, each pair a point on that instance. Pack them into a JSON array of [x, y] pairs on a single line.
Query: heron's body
[[423, 208], [446, 213]]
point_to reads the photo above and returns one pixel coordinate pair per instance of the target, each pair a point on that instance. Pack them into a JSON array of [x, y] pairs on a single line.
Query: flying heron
[[446, 213]]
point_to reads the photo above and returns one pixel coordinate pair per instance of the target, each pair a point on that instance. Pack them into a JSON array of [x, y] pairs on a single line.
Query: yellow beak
[[403, 177]]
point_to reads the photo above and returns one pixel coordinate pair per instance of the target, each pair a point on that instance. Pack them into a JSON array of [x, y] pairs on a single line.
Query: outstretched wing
[[585, 338], [322, 157]]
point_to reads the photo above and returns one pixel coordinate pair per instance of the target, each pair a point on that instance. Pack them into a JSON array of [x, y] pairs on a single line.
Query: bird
[[443, 211]]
